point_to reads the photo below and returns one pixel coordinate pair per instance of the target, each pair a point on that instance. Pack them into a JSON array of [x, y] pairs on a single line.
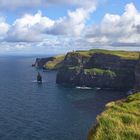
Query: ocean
[[31, 111]]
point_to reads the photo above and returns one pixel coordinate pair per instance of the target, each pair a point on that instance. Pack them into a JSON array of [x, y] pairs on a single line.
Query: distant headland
[[105, 69]]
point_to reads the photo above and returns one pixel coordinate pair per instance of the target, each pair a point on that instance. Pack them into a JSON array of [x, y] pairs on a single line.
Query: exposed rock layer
[[40, 62], [137, 76], [50, 63]]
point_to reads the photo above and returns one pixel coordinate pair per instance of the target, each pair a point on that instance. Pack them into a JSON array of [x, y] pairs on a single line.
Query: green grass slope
[[122, 54], [120, 121], [55, 63], [97, 71]]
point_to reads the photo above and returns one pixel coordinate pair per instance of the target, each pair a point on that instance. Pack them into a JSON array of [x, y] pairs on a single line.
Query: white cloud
[[116, 29], [71, 25], [74, 23], [16, 4], [4, 27], [29, 28], [32, 28], [37, 32]]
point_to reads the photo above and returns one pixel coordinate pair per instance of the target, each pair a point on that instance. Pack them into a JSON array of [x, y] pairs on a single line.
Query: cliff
[[50, 63], [120, 121], [99, 68], [40, 62], [137, 76]]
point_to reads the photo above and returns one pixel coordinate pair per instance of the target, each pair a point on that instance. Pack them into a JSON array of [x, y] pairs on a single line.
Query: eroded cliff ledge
[[50, 63], [137, 75]]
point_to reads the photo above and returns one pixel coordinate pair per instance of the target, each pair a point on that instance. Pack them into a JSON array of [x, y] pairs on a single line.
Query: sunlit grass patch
[[120, 121], [55, 63]]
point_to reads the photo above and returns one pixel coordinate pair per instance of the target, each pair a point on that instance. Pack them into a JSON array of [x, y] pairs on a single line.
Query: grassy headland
[[55, 63], [58, 60], [123, 54], [120, 121]]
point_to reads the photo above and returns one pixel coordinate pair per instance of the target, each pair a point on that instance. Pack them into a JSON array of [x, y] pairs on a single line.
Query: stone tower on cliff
[[137, 75]]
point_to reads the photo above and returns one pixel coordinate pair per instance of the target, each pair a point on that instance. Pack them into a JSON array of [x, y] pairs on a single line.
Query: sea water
[[47, 111]]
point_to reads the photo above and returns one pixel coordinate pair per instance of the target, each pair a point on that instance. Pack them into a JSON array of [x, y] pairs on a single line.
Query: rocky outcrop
[[50, 63], [40, 62], [98, 70], [76, 59]]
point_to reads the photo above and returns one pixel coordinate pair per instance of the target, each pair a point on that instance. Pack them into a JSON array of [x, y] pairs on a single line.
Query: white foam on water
[[35, 81], [83, 88]]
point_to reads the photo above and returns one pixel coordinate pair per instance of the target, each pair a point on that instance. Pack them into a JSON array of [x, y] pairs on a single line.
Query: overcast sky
[[58, 26]]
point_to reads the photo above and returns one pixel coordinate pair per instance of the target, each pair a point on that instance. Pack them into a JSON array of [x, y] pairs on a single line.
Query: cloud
[[34, 28], [137, 28], [29, 28], [6, 4], [117, 29], [71, 25], [4, 27], [38, 32], [16, 4]]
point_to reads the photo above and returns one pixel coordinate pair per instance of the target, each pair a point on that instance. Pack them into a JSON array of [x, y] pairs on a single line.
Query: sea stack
[[39, 77]]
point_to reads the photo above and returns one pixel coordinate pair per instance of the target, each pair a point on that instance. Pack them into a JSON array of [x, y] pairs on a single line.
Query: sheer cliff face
[[97, 70], [75, 59], [40, 62], [108, 61], [137, 76]]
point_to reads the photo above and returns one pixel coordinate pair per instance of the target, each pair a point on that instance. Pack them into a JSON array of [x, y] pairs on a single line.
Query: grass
[[55, 63], [80, 53], [94, 71], [123, 54], [120, 121], [74, 68], [98, 71], [84, 53]]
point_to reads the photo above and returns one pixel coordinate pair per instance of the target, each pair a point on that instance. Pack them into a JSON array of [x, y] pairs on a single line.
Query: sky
[[59, 26]]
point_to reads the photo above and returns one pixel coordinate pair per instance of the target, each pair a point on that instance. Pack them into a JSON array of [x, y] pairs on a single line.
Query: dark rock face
[[75, 59], [68, 76], [107, 61], [119, 81], [74, 71], [81, 78], [137, 76], [40, 62]]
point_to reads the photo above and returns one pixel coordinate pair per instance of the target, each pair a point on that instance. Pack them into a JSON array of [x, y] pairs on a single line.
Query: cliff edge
[[137, 75], [50, 63], [120, 121]]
